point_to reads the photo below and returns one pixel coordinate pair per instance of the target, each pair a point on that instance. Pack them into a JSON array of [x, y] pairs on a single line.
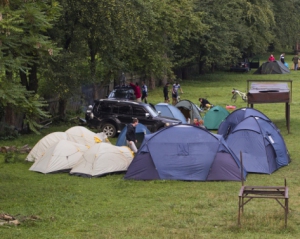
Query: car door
[[125, 114], [139, 112]]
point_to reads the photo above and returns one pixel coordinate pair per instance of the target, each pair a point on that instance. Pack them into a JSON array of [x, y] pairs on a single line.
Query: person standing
[[175, 89], [295, 60], [130, 135], [282, 58], [166, 92], [137, 91], [144, 92]]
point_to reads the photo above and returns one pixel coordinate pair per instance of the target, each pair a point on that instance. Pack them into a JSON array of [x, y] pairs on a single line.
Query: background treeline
[[51, 48]]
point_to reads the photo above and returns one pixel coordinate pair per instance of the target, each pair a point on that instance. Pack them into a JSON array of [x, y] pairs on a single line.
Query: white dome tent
[[61, 156], [102, 159], [42, 145], [82, 135]]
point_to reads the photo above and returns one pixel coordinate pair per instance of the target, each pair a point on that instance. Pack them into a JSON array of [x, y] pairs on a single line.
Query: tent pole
[[242, 173]]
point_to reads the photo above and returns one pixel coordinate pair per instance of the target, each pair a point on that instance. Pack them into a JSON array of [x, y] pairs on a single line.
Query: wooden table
[[278, 193], [275, 91]]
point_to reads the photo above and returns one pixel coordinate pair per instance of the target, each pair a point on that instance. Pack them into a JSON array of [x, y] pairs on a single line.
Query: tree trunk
[[33, 80], [23, 78], [9, 115], [201, 66], [95, 91], [62, 108], [152, 82], [185, 73]]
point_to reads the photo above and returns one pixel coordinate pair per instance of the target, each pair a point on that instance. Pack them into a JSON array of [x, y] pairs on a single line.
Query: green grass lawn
[[63, 206]]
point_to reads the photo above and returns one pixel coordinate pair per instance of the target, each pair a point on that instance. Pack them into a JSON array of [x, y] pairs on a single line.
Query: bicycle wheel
[[233, 98]]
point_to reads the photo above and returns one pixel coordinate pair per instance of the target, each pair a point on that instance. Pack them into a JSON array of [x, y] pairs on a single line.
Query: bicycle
[[236, 92]]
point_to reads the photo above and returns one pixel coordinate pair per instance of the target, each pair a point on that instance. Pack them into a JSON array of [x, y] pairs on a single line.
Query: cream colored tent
[[102, 159], [103, 137], [61, 156], [82, 135], [40, 148]]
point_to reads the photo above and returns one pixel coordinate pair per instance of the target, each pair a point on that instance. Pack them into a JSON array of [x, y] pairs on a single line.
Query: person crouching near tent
[[130, 135], [205, 104]]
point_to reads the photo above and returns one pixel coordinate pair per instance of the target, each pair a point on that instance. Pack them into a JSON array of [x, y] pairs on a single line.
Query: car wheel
[[109, 130]]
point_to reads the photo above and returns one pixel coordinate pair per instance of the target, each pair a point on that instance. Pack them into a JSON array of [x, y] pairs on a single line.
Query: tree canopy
[[62, 44]]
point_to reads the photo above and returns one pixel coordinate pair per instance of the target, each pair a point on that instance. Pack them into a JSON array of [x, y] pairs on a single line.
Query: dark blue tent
[[140, 132], [236, 117], [170, 111], [262, 146], [201, 156]]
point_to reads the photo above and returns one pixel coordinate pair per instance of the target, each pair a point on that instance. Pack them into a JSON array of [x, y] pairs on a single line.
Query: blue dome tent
[[201, 156], [236, 117], [168, 110], [262, 146]]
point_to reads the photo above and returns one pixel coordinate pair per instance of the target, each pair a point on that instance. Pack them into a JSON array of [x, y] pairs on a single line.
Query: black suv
[[111, 116], [123, 92]]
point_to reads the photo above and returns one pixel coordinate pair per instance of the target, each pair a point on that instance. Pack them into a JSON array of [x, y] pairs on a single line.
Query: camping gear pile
[[80, 152]]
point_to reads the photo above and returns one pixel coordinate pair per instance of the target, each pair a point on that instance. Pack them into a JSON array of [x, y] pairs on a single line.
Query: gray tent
[[273, 67], [189, 109]]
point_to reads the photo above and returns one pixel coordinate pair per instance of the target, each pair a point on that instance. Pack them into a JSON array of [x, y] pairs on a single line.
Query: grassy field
[[63, 206]]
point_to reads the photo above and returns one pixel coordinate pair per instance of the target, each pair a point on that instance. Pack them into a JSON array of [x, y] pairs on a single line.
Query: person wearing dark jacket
[[204, 103], [166, 93], [130, 135]]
